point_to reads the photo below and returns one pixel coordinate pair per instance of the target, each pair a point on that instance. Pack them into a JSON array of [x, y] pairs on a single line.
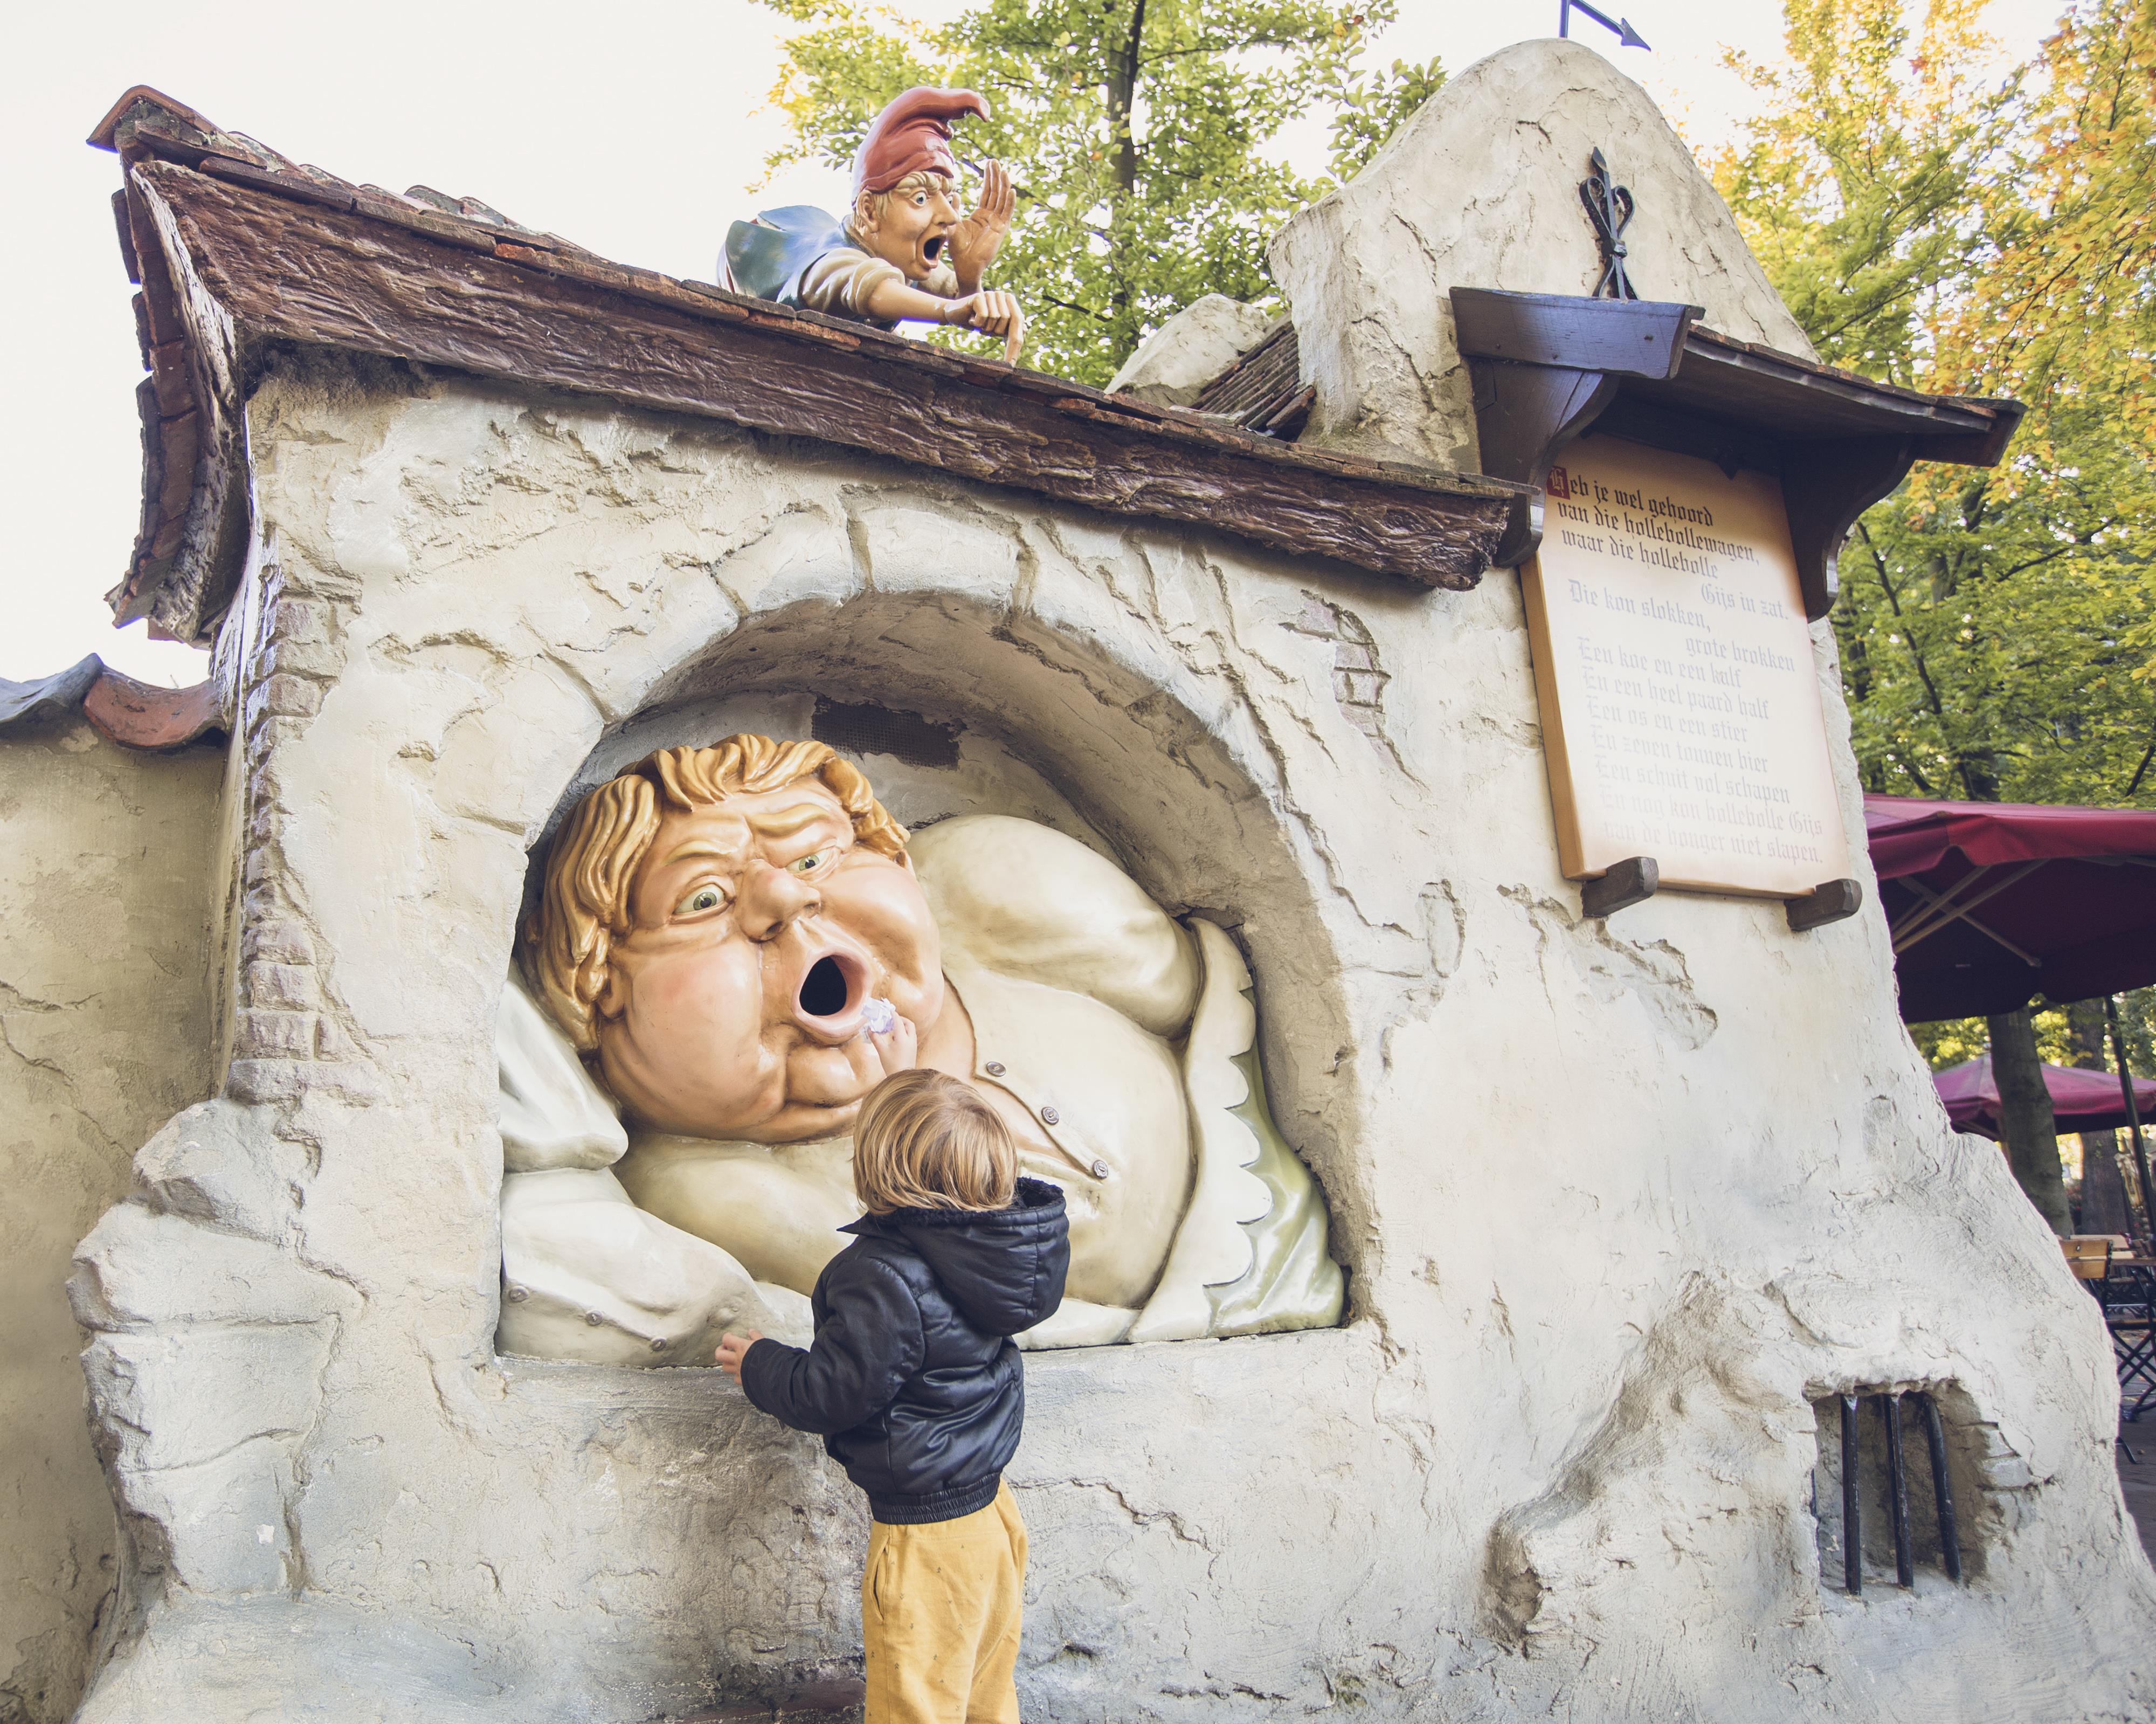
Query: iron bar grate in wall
[[1893, 1430]]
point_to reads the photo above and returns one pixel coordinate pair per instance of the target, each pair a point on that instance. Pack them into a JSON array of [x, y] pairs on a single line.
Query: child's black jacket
[[913, 1381]]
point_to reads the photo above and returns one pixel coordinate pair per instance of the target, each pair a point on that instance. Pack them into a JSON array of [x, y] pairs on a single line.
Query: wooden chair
[[2088, 1255]]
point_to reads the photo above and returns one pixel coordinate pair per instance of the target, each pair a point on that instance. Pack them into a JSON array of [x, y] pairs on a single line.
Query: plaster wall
[[1617, 1199], [1620, 1201], [1480, 188], [104, 1034]]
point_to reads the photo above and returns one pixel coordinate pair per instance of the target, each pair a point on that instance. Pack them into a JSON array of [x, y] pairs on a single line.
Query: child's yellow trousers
[[940, 1610]]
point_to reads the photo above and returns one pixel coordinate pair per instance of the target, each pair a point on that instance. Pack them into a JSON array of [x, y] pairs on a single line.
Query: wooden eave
[[239, 252], [1549, 368]]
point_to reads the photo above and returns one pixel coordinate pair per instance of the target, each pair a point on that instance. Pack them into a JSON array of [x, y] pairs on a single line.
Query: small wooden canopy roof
[[239, 251], [1550, 367]]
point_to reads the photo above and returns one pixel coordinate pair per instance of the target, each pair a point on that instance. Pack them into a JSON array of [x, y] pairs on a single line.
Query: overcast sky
[[636, 130]]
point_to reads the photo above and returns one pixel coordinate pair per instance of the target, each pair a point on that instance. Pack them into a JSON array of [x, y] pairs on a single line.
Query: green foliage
[[1372, 108], [1930, 231], [1955, 1041], [1134, 130]]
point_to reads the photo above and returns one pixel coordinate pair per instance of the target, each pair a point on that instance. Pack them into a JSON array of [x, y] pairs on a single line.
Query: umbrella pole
[[2133, 1111]]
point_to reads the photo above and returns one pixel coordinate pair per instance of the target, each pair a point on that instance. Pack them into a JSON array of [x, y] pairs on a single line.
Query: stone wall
[[1620, 1201], [1617, 1200], [104, 1035]]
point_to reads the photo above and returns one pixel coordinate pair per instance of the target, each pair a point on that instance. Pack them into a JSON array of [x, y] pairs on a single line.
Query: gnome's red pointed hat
[[913, 136]]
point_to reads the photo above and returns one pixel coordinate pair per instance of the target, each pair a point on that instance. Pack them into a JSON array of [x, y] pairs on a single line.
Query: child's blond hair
[[925, 1141]]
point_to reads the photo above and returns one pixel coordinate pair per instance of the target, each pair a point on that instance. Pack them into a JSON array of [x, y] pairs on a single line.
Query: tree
[[1136, 131], [1954, 236], [1932, 231], [2104, 1204], [2026, 1124]]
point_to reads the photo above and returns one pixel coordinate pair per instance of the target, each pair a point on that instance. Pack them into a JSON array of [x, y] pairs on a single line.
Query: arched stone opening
[[956, 709]]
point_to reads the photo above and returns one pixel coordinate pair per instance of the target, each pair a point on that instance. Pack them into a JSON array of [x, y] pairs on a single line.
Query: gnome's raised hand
[[976, 240]]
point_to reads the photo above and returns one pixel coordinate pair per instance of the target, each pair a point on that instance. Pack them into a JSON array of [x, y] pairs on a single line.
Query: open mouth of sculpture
[[827, 990], [932, 247]]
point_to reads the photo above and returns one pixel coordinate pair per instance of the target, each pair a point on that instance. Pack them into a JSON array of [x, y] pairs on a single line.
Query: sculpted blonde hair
[[926, 1141], [584, 907]]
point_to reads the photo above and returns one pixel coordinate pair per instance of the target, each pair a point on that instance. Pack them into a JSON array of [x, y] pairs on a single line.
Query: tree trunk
[[2137, 1133], [2104, 1205], [1124, 65], [2024, 1117]]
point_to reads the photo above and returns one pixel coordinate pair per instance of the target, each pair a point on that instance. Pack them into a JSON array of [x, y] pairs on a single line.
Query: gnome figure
[[902, 254]]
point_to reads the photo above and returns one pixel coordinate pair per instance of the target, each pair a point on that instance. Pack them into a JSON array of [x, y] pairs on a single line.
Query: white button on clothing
[[994, 1068], [1049, 1117], [1099, 1170]]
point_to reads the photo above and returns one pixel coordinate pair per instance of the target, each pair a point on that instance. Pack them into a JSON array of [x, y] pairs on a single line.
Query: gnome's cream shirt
[[1127, 1040]]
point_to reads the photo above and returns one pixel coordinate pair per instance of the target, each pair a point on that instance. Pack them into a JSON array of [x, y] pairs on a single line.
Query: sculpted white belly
[[1097, 1105]]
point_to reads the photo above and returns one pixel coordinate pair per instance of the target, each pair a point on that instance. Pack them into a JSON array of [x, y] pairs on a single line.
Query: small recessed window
[[1883, 1491]]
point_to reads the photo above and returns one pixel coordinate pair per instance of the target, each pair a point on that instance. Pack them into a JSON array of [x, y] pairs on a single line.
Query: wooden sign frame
[[1680, 701]]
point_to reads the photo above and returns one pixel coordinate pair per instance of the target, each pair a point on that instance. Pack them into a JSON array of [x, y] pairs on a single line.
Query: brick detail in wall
[[1358, 679], [283, 1021]]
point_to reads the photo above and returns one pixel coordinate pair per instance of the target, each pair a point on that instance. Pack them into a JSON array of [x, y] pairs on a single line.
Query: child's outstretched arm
[[868, 1342]]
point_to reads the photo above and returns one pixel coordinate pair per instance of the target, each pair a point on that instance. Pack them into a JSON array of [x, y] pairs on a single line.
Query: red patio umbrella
[[2081, 1100], [1991, 903]]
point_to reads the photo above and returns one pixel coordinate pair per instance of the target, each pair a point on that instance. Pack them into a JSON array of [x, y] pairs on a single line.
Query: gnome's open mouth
[[932, 247]]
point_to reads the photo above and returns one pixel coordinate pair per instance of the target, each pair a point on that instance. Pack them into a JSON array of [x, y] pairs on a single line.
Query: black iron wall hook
[[1610, 207]]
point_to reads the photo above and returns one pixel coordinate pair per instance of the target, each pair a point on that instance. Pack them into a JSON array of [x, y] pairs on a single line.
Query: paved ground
[[2139, 1481]]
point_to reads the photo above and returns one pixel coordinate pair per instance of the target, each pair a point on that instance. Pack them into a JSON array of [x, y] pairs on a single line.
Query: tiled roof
[[1263, 390], [282, 241], [180, 510], [136, 714]]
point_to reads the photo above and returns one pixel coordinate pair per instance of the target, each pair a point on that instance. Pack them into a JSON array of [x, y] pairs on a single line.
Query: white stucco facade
[[1618, 1201]]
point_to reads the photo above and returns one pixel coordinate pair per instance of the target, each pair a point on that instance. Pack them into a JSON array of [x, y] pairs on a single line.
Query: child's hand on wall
[[731, 1348]]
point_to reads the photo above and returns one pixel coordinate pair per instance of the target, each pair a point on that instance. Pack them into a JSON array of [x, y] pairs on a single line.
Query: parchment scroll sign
[[1680, 705]]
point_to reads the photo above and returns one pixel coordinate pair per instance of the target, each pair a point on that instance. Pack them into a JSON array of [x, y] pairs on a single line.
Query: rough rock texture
[[1573, 1408], [1176, 361], [1481, 189], [104, 1034], [1620, 1201]]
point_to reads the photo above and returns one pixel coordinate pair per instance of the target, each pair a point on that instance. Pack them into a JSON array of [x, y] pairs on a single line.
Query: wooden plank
[[1830, 901], [1827, 486], [1643, 338], [1674, 674], [287, 270], [1622, 884], [1734, 379]]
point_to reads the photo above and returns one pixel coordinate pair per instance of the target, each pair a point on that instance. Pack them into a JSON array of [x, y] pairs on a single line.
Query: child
[[917, 1390]]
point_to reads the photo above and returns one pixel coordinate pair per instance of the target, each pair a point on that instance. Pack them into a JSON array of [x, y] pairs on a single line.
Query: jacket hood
[[1003, 1269]]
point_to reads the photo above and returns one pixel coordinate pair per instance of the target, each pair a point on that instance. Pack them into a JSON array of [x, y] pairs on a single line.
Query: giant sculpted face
[[760, 936], [741, 944]]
